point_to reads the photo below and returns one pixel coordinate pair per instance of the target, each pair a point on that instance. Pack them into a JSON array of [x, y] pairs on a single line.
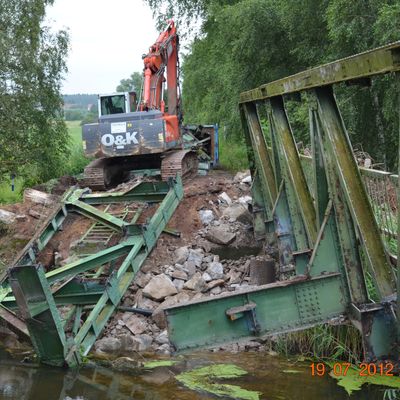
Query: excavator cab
[[117, 103]]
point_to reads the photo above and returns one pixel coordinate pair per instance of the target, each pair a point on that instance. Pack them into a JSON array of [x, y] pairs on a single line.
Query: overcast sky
[[107, 40]]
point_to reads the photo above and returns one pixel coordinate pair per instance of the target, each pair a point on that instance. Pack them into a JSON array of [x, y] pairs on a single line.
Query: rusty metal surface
[[373, 62]]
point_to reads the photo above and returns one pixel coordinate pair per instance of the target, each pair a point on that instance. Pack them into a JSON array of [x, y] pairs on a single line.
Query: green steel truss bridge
[[320, 212]]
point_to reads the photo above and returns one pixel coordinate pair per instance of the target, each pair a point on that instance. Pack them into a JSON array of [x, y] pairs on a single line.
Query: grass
[[323, 342], [233, 155]]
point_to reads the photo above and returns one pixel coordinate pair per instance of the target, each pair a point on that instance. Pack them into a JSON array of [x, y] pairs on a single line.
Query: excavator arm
[[163, 54]]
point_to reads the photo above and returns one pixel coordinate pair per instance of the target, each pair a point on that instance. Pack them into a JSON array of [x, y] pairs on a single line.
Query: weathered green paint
[[291, 158], [280, 307], [321, 204], [354, 191], [261, 156], [37, 299], [364, 65], [37, 307]]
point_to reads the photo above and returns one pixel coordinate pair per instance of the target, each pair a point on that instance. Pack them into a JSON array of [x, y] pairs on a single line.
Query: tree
[[34, 137], [133, 83]]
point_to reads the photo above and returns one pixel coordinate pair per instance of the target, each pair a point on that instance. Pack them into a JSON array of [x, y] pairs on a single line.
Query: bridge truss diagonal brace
[[354, 191], [34, 296]]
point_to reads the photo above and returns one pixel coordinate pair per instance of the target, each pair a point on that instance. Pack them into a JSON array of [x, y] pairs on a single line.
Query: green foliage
[[74, 114], [159, 363], [34, 138], [244, 43], [133, 83], [352, 380], [6, 194], [233, 155]]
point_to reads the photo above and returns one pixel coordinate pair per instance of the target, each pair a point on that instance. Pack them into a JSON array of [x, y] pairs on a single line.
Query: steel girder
[[320, 218], [36, 293]]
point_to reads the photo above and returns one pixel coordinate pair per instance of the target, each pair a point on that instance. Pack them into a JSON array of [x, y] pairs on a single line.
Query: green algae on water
[[159, 363], [203, 379], [353, 381]]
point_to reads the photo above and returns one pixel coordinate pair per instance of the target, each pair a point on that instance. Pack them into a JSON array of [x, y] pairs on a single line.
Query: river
[[276, 378]]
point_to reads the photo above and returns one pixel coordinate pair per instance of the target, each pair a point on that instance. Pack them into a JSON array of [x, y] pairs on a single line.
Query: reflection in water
[[266, 375]]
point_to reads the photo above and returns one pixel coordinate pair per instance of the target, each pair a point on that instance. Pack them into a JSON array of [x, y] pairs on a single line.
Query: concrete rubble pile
[[222, 258]]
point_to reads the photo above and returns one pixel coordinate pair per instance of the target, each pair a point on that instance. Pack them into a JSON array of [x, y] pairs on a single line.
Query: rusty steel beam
[[382, 60]]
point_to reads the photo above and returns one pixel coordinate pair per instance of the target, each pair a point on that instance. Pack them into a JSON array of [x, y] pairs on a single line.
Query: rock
[[142, 342], [162, 338], [206, 277], [216, 290], [136, 324], [220, 235], [246, 179], [142, 279], [241, 175], [196, 283], [181, 254], [7, 217], [159, 287], [215, 270], [225, 198], [34, 214], [196, 256], [238, 212], [164, 349], [234, 276], [178, 283], [245, 200], [206, 216], [38, 197], [127, 342], [190, 268], [177, 274], [108, 345], [20, 217], [125, 364], [215, 283]]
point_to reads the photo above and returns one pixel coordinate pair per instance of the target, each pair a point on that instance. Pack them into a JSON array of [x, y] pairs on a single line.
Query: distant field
[[75, 131]]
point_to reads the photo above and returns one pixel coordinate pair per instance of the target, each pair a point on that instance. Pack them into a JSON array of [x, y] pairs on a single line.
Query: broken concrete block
[[196, 283], [7, 217], [108, 344], [196, 256], [181, 255], [225, 198], [178, 283], [220, 235], [238, 212], [159, 287], [215, 270], [38, 197], [190, 268], [206, 216], [136, 324], [245, 200]]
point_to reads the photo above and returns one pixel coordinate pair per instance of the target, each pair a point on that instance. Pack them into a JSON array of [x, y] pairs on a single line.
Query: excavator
[[134, 135]]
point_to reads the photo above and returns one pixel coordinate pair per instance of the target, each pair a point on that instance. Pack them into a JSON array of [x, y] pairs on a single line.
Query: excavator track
[[93, 177], [182, 162]]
